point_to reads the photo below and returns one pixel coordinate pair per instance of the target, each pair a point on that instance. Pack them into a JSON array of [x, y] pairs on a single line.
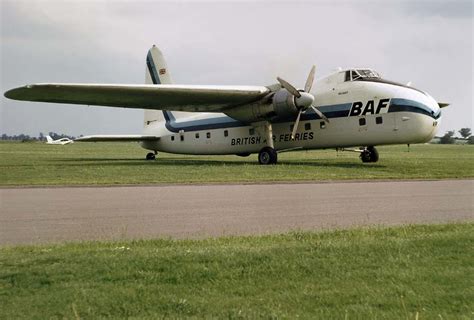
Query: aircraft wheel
[[150, 156], [374, 154], [267, 156], [369, 154]]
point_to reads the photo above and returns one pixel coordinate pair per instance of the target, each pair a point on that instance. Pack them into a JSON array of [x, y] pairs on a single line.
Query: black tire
[[150, 156], [365, 156], [369, 154], [374, 154], [267, 156]]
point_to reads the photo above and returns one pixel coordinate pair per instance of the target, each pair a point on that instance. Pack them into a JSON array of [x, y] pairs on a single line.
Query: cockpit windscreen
[[357, 74]]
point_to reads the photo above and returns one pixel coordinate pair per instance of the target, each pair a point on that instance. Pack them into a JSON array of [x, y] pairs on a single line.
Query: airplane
[[354, 109], [61, 141]]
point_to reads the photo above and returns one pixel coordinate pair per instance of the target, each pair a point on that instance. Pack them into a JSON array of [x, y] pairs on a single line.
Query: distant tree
[[465, 132], [447, 138], [470, 140]]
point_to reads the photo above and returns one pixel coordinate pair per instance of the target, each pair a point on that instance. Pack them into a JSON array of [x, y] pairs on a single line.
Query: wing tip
[[13, 93], [18, 93]]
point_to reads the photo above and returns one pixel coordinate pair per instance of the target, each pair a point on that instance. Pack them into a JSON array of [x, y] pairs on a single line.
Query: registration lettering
[[370, 107]]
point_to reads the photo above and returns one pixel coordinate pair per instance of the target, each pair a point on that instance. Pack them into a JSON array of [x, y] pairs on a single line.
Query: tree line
[[41, 137], [449, 136]]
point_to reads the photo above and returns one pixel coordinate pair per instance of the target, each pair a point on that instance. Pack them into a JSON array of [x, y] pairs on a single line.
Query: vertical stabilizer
[[155, 64], [157, 73], [49, 139]]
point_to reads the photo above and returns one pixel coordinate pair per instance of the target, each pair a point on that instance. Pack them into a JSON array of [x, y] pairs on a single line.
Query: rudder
[[157, 73]]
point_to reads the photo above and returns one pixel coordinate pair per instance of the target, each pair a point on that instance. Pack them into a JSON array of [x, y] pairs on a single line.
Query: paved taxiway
[[35, 215]]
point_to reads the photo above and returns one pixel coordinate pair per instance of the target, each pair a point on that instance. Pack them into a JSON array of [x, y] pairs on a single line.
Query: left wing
[[191, 98], [116, 138]]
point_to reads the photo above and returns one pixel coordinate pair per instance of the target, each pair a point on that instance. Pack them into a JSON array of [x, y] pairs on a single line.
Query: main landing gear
[[151, 156], [267, 156], [369, 154]]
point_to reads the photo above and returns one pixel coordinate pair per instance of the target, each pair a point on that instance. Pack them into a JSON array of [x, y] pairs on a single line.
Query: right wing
[[191, 98], [116, 138]]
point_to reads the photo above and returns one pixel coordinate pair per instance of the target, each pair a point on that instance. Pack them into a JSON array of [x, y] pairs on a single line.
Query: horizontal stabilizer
[[191, 98], [117, 138], [443, 104]]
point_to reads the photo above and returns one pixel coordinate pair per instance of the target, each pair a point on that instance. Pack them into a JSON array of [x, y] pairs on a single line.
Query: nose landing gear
[[369, 154]]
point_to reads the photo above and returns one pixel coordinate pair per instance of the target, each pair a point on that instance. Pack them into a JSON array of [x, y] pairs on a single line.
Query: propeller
[[303, 99]]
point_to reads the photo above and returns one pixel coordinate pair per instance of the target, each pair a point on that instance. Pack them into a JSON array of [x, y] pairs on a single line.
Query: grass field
[[122, 163], [411, 272]]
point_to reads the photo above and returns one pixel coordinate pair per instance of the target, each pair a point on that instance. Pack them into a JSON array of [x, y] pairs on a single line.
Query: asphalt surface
[[41, 215]]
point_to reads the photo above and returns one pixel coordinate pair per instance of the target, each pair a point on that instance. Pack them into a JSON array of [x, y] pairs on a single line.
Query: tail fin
[[49, 139], [157, 73]]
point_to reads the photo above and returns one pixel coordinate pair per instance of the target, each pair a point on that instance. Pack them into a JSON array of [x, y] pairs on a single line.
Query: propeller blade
[[310, 80], [319, 113], [295, 126], [289, 87]]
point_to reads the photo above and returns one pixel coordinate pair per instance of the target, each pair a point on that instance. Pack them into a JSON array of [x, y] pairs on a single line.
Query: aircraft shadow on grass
[[205, 162]]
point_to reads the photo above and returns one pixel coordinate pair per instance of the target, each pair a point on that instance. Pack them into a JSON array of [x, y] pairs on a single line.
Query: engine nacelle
[[281, 106]]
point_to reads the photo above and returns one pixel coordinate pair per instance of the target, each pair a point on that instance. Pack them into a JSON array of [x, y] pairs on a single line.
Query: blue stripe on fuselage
[[331, 111], [405, 105]]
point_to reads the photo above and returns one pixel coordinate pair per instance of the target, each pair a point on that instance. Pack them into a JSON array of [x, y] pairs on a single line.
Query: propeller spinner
[[303, 99]]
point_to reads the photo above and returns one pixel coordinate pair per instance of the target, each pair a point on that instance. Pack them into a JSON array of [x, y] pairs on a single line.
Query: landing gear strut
[[369, 154], [150, 156], [268, 154]]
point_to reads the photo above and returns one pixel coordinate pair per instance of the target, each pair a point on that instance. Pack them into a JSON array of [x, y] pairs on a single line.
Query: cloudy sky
[[429, 43]]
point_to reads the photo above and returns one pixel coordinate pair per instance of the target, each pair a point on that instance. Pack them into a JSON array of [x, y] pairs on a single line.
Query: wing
[[189, 98], [116, 138]]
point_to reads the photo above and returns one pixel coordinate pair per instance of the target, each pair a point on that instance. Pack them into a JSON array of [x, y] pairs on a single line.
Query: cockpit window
[[353, 75]]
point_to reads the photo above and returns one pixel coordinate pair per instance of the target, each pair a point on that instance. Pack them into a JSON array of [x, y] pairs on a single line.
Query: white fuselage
[[361, 113]]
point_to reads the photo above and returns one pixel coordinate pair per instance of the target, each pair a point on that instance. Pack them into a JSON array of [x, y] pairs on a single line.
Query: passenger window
[[197, 135], [172, 138], [362, 122], [181, 138], [208, 135], [378, 120], [307, 126], [322, 125], [251, 131], [226, 133]]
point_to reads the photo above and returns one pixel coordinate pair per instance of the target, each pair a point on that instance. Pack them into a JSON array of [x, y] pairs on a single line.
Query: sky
[[429, 43]]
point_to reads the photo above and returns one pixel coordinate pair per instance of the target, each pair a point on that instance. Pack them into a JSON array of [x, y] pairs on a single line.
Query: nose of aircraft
[[435, 111], [434, 106]]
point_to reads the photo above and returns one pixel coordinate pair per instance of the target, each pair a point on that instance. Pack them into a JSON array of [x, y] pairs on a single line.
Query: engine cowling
[[281, 105]]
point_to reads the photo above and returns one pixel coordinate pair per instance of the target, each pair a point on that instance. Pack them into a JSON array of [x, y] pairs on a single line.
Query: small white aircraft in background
[[350, 108], [61, 141]]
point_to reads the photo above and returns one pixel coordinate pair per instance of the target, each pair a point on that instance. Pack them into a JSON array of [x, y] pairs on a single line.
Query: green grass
[[122, 163], [374, 273]]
